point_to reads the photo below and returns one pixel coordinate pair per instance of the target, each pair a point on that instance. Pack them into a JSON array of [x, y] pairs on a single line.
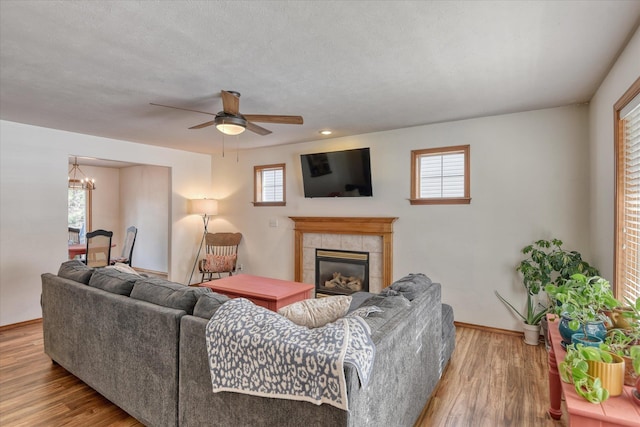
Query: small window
[[269, 186], [440, 176]]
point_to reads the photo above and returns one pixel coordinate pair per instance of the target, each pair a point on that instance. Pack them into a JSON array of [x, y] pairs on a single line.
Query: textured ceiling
[[354, 67]]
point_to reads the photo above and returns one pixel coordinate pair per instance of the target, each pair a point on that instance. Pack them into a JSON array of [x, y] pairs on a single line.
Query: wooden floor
[[492, 380]]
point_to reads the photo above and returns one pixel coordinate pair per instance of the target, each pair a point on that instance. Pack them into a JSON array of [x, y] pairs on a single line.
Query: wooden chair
[[127, 250], [221, 254], [74, 236], [98, 248]]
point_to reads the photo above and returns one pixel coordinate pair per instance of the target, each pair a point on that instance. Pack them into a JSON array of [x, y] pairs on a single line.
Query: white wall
[[529, 180], [601, 146], [105, 200], [33, 206], [144, 192]]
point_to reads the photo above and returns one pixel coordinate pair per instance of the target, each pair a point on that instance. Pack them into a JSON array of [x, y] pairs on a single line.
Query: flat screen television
[[345, 173]]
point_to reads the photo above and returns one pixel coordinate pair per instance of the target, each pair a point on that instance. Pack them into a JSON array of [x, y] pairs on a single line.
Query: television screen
[[344, 173]]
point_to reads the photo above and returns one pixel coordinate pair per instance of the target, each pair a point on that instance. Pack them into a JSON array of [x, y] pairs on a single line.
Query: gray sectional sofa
[[140, 342]]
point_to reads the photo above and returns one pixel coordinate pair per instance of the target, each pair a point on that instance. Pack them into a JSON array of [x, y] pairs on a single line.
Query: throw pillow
[[314, 313], [219, 263]]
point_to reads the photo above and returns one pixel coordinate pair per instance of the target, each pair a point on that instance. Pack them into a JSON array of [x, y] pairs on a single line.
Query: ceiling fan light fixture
[[230, 125]]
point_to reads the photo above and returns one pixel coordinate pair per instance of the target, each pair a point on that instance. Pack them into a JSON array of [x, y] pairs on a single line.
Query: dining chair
[[74, 235], [221, 254], [98, 248], [127, 250]]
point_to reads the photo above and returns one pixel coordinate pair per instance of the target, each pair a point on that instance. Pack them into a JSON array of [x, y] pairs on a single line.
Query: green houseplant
[[595, 373], [546, 263], [583, 301]]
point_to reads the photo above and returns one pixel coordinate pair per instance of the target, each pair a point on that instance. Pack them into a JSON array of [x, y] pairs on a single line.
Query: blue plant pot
[[596, 329], [587, 341]]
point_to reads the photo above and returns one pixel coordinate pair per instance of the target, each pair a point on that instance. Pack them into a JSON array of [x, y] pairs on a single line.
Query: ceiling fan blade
[[230, 103], [180, 108], [270, 118], [203, 125], [257, 129]]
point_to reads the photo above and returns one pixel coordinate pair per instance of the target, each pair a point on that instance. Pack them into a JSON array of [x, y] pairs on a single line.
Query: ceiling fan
[[230, 122]]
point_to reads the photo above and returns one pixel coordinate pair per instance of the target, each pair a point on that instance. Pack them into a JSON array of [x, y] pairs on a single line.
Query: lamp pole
[[205, 221], [206, 208]]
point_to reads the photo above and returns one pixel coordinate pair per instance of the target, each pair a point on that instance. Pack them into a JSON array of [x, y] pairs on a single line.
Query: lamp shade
[[207, 207]]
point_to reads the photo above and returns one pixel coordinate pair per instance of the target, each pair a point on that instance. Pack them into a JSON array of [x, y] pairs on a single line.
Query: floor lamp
[[206, 208]]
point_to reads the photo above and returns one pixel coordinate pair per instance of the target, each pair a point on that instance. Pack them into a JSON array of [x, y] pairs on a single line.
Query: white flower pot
[[531, 334]]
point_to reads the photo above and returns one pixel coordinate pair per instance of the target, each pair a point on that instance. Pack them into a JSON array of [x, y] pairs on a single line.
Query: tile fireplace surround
[[366, 234]]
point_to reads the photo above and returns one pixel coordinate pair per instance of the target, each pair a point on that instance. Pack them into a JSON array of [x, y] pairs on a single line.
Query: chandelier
[[78, 180]]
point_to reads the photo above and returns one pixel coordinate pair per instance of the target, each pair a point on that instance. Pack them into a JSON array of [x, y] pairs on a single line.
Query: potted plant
[[546, 263], [623, 339], [595, 373], [581, 301], [531, 318]]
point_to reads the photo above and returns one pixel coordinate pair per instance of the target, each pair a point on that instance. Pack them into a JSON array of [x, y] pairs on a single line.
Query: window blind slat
[[630, 235], [442, 175]]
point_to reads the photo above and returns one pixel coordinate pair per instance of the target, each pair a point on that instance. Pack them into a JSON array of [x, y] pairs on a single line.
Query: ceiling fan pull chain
[[223, 145]]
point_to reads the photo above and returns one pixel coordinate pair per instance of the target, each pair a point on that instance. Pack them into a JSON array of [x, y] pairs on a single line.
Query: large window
[[627, 233], [269, 185], [79, 210], [440, 176]]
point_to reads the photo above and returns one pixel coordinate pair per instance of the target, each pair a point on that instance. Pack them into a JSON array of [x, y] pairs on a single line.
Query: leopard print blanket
[[256, 351]]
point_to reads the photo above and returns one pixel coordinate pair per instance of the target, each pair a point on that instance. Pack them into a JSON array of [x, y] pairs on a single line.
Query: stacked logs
[[339, 281]]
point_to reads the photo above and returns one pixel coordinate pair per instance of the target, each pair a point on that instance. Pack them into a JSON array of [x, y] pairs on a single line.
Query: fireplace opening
[[341, 272]]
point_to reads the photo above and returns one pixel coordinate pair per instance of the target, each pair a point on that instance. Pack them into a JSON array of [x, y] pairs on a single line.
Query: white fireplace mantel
[[364, 226]]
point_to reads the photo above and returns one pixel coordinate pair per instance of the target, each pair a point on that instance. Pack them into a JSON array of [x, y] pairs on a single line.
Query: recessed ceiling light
[[325, 132]]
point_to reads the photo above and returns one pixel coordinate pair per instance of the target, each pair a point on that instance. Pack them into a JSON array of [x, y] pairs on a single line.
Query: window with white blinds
[[269, 185], [628, 194], [440, 175]]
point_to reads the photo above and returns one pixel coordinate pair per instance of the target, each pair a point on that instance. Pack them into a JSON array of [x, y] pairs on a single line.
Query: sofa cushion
[[390, 306], [124, 268], [208, 304], [357, 298], [167, 294], [447, 320], [410, 286], [75, 270], [314, 313], [114, 281]]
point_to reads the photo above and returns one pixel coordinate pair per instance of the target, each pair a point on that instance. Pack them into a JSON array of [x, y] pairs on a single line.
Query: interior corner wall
[[529, 181], [33, 206], [144, 195], [105, 200], [601, 146]]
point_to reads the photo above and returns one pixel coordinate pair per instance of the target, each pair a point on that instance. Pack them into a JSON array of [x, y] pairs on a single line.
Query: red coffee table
[[263, 291], [615, 411]]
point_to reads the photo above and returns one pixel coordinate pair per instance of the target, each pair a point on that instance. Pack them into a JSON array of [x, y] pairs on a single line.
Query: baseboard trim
[[19, 324], [489, 329]]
